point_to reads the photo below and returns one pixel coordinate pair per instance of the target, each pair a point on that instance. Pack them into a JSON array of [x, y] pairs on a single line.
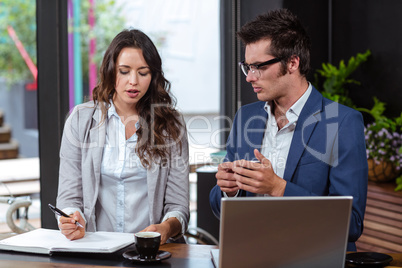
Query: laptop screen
[[284, 231]]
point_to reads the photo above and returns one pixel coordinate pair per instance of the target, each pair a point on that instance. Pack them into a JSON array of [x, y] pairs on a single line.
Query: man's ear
[[293, 64]]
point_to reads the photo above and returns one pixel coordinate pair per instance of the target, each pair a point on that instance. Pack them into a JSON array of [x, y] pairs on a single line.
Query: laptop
[[291, 232]]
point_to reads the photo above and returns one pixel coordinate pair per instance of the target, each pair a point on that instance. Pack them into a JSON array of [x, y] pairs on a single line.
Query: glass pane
[[186, 34], [19, 150]]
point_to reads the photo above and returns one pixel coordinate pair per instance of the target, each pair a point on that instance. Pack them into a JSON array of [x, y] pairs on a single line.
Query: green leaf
[[336, 78], [398, 183]]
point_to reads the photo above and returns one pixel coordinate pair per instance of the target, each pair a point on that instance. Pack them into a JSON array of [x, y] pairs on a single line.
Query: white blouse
[[122, 204]]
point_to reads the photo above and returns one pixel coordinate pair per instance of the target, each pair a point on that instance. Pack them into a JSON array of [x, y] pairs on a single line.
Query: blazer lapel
[[98, 138], [257, 127], [306, 123], [153, 176], [257, 130]]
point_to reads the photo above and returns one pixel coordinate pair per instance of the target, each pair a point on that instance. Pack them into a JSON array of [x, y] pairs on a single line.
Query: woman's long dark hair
[[160, 126]]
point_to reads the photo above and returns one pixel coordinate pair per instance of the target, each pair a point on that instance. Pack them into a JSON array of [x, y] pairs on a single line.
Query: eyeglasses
[[254, 68]]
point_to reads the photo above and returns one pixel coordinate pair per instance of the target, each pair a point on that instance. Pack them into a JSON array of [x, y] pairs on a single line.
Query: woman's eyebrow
[[127, 66]]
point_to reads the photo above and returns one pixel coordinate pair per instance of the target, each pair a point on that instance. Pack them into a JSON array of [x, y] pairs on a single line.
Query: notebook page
[[47, 240], [43, 239], [96, 242]]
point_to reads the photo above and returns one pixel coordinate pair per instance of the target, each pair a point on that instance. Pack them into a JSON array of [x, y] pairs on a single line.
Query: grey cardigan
[[80, 164]]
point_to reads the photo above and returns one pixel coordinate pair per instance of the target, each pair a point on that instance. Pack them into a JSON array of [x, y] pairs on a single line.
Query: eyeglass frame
[[257, 66]]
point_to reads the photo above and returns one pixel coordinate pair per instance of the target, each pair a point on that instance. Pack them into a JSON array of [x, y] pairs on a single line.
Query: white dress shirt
[[122, 204], [276, 143]]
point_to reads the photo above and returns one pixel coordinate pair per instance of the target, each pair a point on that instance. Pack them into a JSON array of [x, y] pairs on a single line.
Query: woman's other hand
[[169, 228]]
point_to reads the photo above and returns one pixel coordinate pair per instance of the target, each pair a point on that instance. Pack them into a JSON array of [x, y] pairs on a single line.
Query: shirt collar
[[296, 108], [112, 112], [299, 104]]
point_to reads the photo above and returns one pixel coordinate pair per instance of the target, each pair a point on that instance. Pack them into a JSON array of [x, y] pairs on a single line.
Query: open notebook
[[46, 241], [291, 232]]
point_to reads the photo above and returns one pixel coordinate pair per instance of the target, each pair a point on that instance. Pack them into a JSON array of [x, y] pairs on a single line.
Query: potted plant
[[384, 145], [383, 136]]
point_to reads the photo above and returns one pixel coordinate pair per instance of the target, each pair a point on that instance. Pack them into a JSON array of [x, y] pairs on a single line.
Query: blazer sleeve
[[215, 194], [176, 201], [70, 192]]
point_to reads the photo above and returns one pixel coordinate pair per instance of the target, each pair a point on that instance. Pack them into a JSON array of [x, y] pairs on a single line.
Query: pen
[[61, 213]]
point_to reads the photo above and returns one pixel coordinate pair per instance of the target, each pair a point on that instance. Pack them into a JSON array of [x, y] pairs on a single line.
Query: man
[[305, 145]]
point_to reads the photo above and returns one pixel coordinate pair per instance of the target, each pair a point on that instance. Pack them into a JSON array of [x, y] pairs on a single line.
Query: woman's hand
[[167, 229], [70, 229]]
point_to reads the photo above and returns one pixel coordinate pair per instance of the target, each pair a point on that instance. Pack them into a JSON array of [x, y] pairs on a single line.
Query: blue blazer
[[327, 156]]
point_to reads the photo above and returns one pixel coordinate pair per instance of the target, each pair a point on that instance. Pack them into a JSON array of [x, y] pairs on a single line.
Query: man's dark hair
[[288, 36]]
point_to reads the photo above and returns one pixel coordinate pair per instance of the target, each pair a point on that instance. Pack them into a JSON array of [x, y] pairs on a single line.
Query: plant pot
[[381, 172]]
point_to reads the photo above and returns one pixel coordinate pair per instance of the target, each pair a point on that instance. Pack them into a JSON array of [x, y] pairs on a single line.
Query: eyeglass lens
[[255, 68], [246, 68]]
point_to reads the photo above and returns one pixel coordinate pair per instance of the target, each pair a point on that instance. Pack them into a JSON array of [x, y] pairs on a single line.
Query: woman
[[124, 156]]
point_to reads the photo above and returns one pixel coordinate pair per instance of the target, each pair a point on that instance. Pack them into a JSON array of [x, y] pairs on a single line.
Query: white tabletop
[[19, 169]]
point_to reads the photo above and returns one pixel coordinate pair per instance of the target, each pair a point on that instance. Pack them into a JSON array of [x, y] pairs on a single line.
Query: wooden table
[[193, 256], [183, 255], [397, 262]]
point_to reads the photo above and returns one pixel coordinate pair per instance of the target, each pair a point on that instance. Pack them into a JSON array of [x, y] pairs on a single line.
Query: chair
[[13, 213], [200, 236]]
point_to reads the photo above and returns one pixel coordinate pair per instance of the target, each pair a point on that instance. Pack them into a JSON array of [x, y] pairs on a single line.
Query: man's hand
[[70, 229], [225, 179], [258, 178]]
